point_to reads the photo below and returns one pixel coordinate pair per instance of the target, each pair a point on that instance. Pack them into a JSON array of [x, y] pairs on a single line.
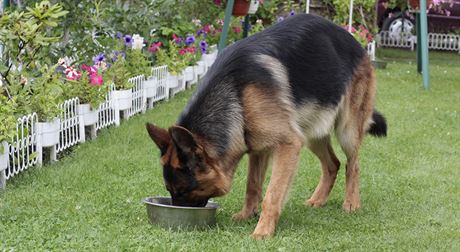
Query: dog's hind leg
[[329, 164], [258, 162], [352, 124]]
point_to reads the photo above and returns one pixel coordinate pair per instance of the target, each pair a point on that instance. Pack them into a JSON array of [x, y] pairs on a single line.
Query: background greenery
[[410, 182]]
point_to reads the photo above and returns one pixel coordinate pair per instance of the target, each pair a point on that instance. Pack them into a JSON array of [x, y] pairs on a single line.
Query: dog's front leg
[[285, 159], [256, 176]]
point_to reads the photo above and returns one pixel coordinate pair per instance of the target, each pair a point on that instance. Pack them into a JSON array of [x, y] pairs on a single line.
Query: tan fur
[[271, 125], [329, 166], [258, 163], [352, 124]]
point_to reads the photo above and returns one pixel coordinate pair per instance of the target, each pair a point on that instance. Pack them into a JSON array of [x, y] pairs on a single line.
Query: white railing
[[402, 40], [161, 73], [139, 100], [436, 41], [24, 149], [106, 112], [69, 134], [448, 42]]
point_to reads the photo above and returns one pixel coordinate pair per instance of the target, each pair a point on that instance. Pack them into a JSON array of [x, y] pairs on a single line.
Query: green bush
[[8, 121]]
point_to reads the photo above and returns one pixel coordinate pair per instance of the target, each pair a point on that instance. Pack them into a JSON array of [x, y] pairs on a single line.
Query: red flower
[[154, 47], [206, 29], [237, 29], [191, 49]]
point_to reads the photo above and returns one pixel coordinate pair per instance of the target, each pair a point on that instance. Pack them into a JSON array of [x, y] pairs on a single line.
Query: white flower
[[138, 41], [61, 61], [197, 22], [259, 21]]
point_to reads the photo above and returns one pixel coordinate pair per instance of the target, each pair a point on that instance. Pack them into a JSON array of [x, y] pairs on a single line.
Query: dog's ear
[[183, 140], [159, 136]]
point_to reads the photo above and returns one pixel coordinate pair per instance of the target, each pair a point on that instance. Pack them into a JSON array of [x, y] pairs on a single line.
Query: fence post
[[2, 180], [81, 128], [116, 110], [6, 151], [53, 153], [39, 144]]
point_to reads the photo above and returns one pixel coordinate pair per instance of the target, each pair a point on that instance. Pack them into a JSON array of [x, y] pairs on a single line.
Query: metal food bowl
[[161, 212]]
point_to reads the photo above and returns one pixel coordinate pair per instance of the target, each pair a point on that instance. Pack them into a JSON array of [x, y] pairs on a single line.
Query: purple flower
[[280, 19], [201, 32], [190, 40], [98, 58], [128, 40], [203, 46], [117, 54], [203, 43], [118, 35], [292, 13]]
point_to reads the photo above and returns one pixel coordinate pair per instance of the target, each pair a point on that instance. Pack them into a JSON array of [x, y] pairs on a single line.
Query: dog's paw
[[244, 215], [261, 235], [264, 229], [350, 206], [314, 202]]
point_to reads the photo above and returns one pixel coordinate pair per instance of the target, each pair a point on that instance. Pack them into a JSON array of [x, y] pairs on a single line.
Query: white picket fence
[[106, 112], [161, 75], [448, 42], [402, 40], [25, 149], [436, 41], [139, 100], [69, 133]]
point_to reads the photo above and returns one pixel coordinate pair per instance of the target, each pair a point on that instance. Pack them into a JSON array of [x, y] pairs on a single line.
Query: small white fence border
[[436, 41], [25, 149]]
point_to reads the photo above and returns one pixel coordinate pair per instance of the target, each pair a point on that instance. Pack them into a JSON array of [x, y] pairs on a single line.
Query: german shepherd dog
[[268, 95]]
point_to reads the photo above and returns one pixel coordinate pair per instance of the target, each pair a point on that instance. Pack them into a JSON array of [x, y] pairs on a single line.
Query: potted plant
[[122, 95], [45, 95], [151, 81], [415, 4], [172, 59], [7, 129], [89, 87], [190, 56], [119, 72], [240, 7]]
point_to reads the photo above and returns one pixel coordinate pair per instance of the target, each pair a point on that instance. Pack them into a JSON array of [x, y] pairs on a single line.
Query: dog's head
[[190, 175]]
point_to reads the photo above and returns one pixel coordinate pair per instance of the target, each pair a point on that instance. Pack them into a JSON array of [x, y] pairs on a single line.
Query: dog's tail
[[378, 125]]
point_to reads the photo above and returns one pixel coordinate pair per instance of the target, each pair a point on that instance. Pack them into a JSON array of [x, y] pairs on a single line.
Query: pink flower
[[96, 80], [182, 51], [206, 29], [237, 29], [90, 69], [154, 47], [191, 49]]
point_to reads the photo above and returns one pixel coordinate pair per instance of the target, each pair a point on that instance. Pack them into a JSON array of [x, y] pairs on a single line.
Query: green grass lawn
[[410, 184]]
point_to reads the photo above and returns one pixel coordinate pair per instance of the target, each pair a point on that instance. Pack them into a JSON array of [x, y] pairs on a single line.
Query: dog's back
[[308, 61]]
